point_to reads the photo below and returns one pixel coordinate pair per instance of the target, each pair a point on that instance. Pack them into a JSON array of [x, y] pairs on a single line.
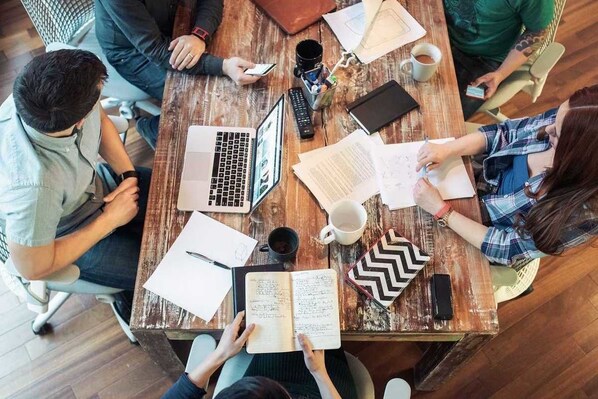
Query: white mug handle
[[404, 64], [327, 239]]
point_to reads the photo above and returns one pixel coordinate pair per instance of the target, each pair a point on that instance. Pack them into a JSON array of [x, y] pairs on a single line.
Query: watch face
[[441, 223]]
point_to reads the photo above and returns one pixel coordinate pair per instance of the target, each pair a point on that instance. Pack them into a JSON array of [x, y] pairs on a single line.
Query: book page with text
[[268, 305], [315, 308]]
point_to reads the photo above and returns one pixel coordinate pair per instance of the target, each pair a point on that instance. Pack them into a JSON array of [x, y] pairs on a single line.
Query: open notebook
[[284, 304]]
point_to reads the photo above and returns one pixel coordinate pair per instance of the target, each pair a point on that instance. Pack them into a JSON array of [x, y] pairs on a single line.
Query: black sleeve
[[139, 27], [184, 389], [209, 15]]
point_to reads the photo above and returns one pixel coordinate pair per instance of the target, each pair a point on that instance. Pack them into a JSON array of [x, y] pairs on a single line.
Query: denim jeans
[[147, 76], [468, 69], [113, 260]]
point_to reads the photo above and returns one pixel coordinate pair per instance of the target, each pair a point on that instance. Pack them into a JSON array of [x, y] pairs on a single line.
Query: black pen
[[206, 259]]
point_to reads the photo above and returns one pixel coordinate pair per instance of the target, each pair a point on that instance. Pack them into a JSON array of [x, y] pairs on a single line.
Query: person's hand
[[125, 184], [231, 343], [186, 51], [427, 196], [314, 360], [492, 80], [432, 155], [122, 208], [234, 68]]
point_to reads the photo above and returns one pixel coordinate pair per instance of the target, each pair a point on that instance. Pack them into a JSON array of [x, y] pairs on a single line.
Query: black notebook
[[239, 274], [381, 107]]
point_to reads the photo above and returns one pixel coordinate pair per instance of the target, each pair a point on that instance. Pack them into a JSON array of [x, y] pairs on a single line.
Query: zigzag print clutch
[[387, 268]]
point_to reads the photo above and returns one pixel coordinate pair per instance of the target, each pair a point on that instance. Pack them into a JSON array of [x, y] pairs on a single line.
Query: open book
[[284, 304]]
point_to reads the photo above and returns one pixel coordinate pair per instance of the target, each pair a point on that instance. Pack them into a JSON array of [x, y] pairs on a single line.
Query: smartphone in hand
[[478, 92], [260, 69]]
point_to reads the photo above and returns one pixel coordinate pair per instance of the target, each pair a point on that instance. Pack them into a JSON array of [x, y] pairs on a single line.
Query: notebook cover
[[386, 269], [239, 274], [292, 15], [381, 106]]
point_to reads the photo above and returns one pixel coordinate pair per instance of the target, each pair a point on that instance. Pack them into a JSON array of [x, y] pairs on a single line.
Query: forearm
[[470, 144], [112, 148], [209, 15], [202, 373], [522, 49], [472, 231], [325, 385]]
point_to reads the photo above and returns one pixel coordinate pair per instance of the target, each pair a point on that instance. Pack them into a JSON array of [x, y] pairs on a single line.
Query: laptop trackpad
[[197, 166]]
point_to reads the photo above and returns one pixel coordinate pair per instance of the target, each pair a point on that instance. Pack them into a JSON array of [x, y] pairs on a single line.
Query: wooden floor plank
[[13, 360], [134, 382]]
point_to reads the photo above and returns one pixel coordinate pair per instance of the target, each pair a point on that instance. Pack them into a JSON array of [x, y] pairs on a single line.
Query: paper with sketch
[[191, 283], [395, 171], [392, 27], [283, 304], [344, 171]]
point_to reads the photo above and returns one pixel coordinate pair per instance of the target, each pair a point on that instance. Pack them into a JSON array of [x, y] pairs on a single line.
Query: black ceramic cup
[[282, 246], [308, 55]]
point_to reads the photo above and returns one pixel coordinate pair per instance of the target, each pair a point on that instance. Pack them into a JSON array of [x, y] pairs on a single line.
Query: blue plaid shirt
[[502, 244]]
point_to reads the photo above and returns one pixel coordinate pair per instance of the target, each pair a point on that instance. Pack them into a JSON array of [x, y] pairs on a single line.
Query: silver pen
[[206, 259], [424, 171]]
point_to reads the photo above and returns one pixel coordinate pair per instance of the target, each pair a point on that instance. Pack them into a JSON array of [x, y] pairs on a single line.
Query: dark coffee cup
[[308, 55], [282, 246]]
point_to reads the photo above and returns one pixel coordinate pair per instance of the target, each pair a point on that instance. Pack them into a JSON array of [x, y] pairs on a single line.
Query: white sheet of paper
[[375, 137], [191, 283], [396, 175], [392, 28], [345, 171]]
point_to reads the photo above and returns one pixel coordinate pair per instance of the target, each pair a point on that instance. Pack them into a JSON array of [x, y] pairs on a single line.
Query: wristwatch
[[127, 174], [201, 33], [443, 215]]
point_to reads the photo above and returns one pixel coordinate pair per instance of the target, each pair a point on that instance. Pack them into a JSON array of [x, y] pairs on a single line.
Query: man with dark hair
[[136, 37], [58, 206], [490, 39]]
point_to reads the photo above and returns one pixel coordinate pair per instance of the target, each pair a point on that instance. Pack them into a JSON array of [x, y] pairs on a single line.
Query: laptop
[[232, 169]]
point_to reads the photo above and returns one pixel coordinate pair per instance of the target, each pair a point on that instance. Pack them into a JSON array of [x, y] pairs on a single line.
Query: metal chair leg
[[110, 299], [55, 303]]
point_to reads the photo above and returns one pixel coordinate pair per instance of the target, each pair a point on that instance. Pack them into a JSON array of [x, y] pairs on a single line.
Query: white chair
[[64, 283], [235, 367], [531, 76], [72, 22]]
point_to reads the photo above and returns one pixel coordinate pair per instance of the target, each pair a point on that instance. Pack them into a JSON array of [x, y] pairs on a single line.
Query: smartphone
[[442, 296], [478, 92], [260, 69]]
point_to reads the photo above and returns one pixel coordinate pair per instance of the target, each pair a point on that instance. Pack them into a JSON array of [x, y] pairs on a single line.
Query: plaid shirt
[[502, 244]]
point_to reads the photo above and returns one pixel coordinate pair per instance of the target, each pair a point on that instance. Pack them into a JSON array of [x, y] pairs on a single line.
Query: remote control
[[301, 111]]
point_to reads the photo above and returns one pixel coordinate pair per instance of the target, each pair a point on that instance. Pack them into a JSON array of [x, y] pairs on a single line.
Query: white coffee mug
[[346, 223], [422, 69]]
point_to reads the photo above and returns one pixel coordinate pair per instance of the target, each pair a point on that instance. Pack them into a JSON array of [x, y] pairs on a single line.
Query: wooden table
[[188, 100]]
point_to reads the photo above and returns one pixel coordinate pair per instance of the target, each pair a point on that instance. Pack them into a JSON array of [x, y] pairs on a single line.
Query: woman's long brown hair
[[571, 185]]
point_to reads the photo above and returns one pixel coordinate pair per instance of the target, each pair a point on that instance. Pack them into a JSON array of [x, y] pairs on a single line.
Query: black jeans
[[468, 69]]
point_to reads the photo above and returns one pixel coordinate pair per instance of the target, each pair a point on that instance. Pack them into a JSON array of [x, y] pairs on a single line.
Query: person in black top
[[276, 375], [135, 36]]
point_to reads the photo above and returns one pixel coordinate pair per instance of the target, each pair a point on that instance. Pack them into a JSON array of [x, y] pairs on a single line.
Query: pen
[[205, 258], [424, 171]]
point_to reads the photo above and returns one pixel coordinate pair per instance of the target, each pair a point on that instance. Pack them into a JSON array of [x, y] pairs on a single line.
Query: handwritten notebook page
[[268, 305], [315, 308]]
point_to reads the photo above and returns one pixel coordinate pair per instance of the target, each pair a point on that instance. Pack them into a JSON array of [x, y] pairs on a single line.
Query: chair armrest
[[547, 60], [121, 124], [66, 275], [203, 345]]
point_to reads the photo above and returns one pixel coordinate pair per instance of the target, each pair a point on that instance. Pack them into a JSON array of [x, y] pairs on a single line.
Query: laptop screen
[[268, 153]]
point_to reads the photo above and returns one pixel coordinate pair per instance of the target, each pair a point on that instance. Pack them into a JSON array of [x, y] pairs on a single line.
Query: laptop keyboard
[[227, 186]]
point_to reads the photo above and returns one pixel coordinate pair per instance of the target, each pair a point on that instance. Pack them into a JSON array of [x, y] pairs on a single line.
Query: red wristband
[[201, 33], [442, 211]]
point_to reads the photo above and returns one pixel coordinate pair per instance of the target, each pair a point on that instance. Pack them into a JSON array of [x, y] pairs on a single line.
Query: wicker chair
[[531, 76], [71, 22], [64, 283]]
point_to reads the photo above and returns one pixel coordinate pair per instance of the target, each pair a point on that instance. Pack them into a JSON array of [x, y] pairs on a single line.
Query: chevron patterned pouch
[[387, 268]]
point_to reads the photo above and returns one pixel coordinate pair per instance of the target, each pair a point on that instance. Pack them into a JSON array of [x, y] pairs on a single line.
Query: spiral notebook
[[387, 268]]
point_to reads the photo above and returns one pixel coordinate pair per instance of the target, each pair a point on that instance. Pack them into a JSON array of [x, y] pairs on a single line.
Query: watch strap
[[127, 174], [442, 211], [201, 33]]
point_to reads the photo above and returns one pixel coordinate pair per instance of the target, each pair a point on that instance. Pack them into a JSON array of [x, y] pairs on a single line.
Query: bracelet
[[127, 174]]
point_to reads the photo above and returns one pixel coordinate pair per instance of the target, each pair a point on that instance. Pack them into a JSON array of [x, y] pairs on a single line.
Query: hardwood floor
[[547, 347]]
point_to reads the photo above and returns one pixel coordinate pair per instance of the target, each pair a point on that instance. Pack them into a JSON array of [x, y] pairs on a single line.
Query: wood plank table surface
[[248, 33]]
